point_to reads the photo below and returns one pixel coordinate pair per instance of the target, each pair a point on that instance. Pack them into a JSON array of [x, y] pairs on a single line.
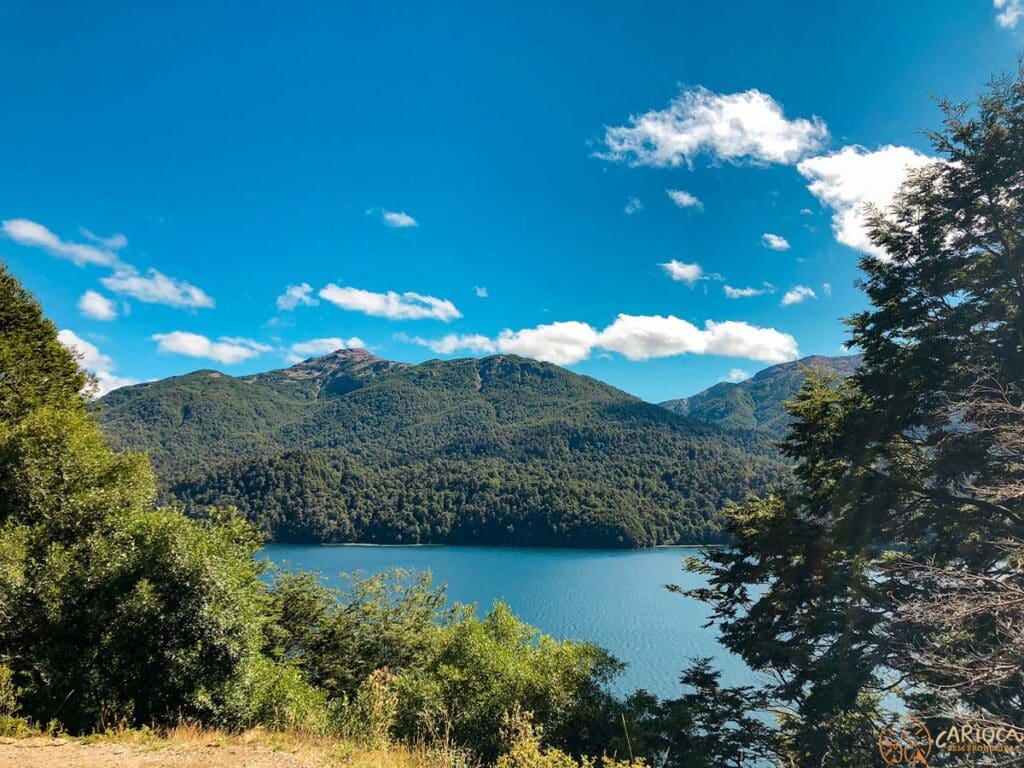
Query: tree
[[111, 609], [908, 476]]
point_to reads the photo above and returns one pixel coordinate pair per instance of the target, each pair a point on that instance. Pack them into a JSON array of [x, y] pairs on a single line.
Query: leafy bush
[[477, 670]]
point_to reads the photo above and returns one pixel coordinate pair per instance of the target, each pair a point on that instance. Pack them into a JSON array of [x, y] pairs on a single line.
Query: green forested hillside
[[350, 447], [757, 403]]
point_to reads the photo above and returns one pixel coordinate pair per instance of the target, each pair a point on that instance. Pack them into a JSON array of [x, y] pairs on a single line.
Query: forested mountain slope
[[757, 403], [349, 447]]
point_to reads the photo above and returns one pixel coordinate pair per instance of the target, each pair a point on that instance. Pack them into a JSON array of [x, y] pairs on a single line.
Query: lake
[[615, 598]]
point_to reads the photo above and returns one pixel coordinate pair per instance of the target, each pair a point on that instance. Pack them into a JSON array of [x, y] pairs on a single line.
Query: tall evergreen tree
[[907, 469]]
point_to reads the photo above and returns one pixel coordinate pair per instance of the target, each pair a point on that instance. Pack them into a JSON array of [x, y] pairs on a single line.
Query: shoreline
[[490, 546]]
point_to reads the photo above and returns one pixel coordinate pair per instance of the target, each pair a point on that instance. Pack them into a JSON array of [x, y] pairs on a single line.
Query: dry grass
[[190, 746]]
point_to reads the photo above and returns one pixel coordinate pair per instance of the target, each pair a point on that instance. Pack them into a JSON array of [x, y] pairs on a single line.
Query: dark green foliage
[[503, 450], [110, 609], [708, 727], [340, 636], [896, 553], [35, 368], [759, 402]]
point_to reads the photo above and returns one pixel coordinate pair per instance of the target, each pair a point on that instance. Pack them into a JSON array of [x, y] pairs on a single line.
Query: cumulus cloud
[[294, 295], [1010, 12], [473, 343], [797, 294], [561, 343], [97, 306], [303, 350], [227, 349], [849, 179], [775, 242], [642, 337], [682, 272], [392, 305], [633, 206], [156, 288], [101, 366], [746, 293], [34, 235], [635, 337], [481, 291], [749, 126], [826, 288], [684, 199], [399, 219], [737, 374]]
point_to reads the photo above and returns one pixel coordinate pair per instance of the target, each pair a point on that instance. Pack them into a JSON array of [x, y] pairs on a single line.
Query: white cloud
[[1011, 12], [636, 337], [737, 374], [633, 206], [561, 343], [303, 350], [854, 176], [736, 339], [481, 291], [227, 349], [94, 361], [775, 242], [474, 343], [642, 337], [156, 288], [684, 199], [733, 127], [682, 272], [746, 293], [392, 305], [797, 294], [153, 288], [31, 234], [115, 242], [97, 306], [294, 295], [639, 337], [399, 219], [826, 288]]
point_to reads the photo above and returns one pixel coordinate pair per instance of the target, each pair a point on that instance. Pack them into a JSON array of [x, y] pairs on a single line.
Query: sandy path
[[65, 753]]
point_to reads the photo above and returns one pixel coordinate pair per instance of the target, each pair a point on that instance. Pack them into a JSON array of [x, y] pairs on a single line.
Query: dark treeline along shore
[[504, 450]]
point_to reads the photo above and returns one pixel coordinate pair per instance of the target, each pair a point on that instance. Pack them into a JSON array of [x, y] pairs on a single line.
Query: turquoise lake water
[[614, 598]]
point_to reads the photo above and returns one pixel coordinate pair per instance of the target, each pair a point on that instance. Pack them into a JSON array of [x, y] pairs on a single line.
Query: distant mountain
[[756, 404], [350, 447]]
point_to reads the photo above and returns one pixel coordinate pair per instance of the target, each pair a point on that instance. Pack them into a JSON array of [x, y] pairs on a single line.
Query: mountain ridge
[[501, 449], [757, 403]]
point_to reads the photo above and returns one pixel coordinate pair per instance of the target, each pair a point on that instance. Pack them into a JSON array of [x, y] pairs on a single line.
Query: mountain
[[350, 447], [756, 404]]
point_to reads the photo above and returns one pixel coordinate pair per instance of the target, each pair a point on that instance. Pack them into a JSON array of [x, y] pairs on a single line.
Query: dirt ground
[[67, 753]]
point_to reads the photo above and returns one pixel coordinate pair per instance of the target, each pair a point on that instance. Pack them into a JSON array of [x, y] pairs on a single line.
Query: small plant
[[370, 716], [11, 724]]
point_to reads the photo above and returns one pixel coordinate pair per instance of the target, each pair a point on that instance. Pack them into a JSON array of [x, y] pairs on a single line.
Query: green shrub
[[277, 696], [477, 670]]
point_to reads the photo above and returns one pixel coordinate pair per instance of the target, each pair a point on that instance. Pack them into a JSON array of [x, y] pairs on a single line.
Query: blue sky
[[169, 171]]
